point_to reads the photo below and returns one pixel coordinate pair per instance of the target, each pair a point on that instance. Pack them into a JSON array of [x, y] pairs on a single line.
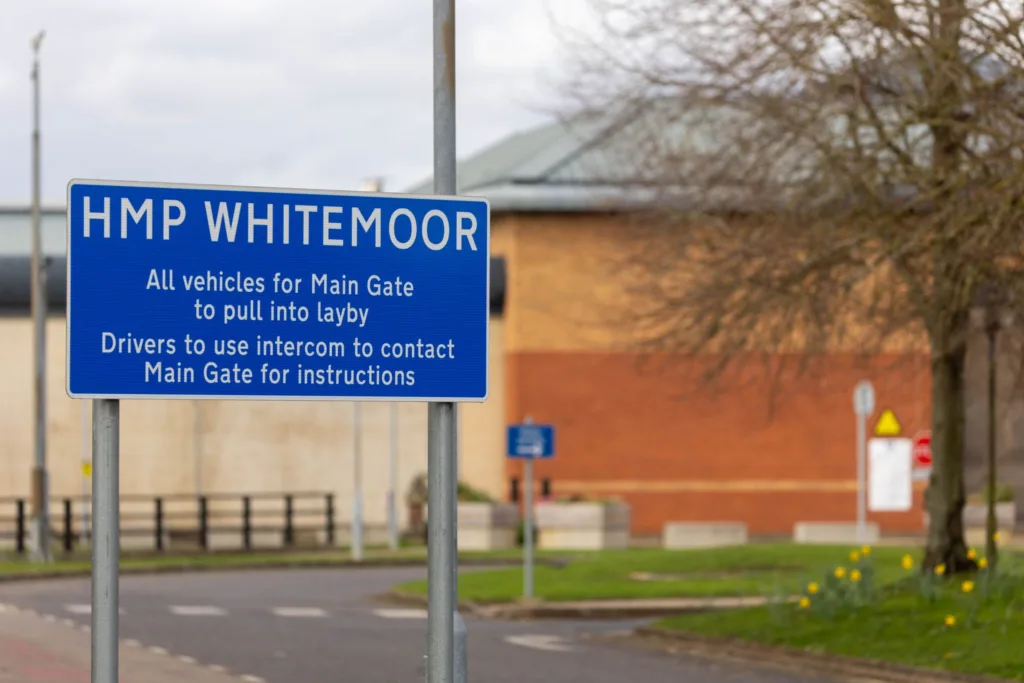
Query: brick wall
[[769, 449]]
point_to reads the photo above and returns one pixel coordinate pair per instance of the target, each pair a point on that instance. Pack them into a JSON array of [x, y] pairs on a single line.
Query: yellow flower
[[950, 620], [967, 586], [855, 575], [972, 554], [865, 551], [995, 537], [983, 562], [805, 603], [940, 569], [854, 556], [907, 562], [812, 588], [840, 572]]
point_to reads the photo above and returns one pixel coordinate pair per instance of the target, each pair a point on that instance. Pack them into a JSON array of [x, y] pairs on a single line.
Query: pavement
[[310, 626]]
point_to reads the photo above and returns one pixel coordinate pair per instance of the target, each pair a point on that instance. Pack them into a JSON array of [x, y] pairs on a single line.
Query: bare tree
[[823, 175]]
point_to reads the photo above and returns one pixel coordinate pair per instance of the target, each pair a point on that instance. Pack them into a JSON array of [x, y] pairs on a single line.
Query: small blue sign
[[208, 292], [531, 441]]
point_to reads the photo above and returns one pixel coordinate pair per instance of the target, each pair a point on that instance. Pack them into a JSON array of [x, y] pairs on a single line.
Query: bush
[[468, 494]]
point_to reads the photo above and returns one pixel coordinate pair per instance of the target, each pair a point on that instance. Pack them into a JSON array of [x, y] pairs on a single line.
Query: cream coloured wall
[[171, 447]]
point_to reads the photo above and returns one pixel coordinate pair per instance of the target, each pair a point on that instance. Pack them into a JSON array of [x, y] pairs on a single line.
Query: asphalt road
[[311, 626]]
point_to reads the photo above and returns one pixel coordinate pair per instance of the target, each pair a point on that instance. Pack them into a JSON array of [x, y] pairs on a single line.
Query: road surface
[[311, 626]]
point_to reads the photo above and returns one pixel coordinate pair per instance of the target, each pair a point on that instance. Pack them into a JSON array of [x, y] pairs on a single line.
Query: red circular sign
[[923, 449]]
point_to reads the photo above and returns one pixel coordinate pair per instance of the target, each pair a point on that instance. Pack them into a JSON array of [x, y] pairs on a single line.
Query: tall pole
[[86, 459], [862, 458], [442, 567], [106, 450], [393, 479], [990, 518], [357, 483], [528, 523], [40, 489]]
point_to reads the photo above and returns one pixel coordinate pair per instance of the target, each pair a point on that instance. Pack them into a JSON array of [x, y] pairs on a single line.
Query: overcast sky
[[291, 93]]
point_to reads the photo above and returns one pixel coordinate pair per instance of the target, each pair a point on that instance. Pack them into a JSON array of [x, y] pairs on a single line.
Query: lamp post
[[40, 489], [995, 318]]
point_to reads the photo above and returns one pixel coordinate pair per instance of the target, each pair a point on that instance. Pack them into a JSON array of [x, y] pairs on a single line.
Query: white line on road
[[401, 613], [218, 668], [540, 642], [252, 679], [197, 611], [85, 609], [299, 612], [186, 659], [157, 650], [131, 643]]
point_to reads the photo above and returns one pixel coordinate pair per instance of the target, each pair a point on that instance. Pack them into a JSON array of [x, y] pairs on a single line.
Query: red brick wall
[[677, 449]]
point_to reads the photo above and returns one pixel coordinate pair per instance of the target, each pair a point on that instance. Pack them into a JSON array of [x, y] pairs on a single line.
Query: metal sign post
[[863, 407], [529, 442], [442, 484], [106, 447], [392, 502], [357, 483]]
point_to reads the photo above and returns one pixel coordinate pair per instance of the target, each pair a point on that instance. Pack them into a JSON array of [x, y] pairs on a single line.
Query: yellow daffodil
[[995, 537], [812, 588], [983, 562], [940, 569], [854, 556], [840, 572], [907, 562], [967, 586], [805, 603], [855, 575], [865, 551], [950, 620], [972, 554]]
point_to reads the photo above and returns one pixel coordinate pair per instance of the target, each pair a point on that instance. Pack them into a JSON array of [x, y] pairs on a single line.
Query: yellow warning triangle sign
[[887, 424]]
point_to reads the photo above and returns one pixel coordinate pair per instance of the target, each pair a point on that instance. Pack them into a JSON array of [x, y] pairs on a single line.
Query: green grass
[[738, 571], [899, 626], [71, 564]]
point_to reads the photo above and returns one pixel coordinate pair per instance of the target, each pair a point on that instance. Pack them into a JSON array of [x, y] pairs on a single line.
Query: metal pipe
[[40, 485], [106, 418]]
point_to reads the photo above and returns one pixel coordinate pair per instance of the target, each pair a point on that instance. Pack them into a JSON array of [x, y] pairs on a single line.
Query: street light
[[996, 316], [40, 488]]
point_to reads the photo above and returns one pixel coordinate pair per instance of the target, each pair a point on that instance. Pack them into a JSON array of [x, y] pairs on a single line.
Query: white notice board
[[890, 475]]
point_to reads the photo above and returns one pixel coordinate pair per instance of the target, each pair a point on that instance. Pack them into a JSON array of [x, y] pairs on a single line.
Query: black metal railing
[[160, 523]]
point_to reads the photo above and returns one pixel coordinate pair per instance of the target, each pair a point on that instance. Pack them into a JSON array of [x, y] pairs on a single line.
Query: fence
[[162, 523]]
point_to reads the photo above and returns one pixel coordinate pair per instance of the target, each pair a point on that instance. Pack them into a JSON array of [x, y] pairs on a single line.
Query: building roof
[[587, 163]]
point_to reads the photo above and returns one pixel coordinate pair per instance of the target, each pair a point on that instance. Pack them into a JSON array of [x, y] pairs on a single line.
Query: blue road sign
[[531, 441], [208, 292]]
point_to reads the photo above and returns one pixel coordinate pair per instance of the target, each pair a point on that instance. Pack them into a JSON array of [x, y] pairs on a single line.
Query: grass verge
[[17, 567], [752, 570], [968, 625]]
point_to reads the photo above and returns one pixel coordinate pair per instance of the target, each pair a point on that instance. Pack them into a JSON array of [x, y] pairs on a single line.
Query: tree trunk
[[945, 497]]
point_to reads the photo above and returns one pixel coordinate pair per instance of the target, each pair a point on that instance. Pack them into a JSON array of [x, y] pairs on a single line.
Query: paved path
[[42, 649], [311, 626]]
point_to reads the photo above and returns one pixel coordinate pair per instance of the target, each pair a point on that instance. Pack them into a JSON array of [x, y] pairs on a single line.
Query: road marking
[[186, 659], [218, 668], [68, 622], [132, 643], [401, 613], [85, 609], [299, 612], [540, 642], [196, 611], [252, 679], [49, 618], [157, 650]]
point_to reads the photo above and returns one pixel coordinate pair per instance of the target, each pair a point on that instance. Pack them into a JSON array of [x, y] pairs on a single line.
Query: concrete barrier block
[[834, 532], [678, 535]]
